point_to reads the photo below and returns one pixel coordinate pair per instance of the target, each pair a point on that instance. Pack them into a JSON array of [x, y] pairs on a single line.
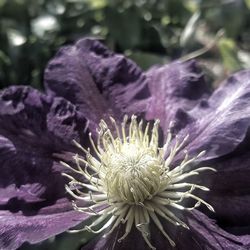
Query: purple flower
[[146, 182]]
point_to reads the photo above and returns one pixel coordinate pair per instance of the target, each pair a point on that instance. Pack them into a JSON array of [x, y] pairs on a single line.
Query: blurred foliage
[[217, 32], [148, 31]]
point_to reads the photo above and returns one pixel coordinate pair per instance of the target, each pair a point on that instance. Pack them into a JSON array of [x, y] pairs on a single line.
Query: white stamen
[[133, 180]]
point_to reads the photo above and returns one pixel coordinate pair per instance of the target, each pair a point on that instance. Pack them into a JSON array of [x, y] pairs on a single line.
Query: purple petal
[[133, 241], [32, 129], [220, 124], [203, 234], [211, 236], [35, 130], [98, 81], [174, 87], [231, 176], [17, 228], [231, 211], [229, 189]]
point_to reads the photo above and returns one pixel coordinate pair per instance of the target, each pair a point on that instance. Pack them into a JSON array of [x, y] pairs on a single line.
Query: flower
[[85, 85], [132, 183]]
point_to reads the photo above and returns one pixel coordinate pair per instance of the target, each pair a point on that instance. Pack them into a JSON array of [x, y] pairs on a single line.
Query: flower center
[[130, 181], [133, 172]]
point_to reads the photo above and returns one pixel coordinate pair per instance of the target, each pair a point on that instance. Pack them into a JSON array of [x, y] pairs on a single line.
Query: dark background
[[216, 32]]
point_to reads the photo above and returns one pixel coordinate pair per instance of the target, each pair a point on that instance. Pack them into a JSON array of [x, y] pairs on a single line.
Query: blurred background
[[216, 32], [148, 31]]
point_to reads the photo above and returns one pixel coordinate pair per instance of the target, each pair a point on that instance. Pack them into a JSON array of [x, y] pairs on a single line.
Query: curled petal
[[99, 82], [32, 128], [34, 131], [218, 125]]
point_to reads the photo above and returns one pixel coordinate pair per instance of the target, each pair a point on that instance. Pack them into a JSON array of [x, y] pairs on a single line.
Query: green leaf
[[228, 51], [146, 60]]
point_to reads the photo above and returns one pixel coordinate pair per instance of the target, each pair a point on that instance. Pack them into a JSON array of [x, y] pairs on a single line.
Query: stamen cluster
[[131, 180]]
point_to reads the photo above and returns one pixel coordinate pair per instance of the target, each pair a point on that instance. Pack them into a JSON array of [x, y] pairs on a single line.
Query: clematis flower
[[156, 159]]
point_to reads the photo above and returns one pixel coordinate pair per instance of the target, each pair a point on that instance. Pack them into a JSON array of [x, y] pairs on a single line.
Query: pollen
[[129, 179]]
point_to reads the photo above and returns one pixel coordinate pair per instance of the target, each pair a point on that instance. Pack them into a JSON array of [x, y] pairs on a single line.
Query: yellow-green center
[[133, 173]]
